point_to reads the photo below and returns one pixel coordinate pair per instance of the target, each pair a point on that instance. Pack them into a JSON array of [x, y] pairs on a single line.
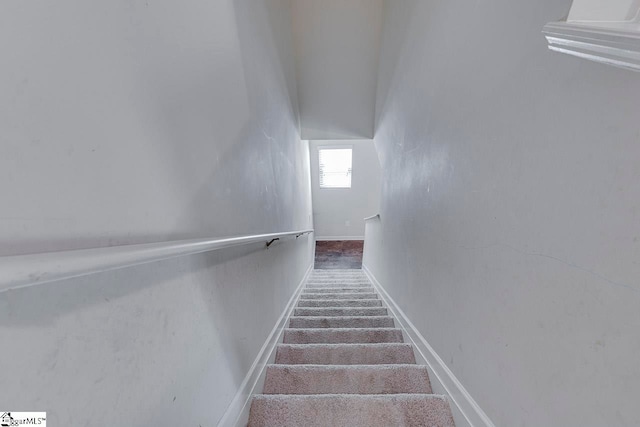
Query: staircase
[[343, 363]]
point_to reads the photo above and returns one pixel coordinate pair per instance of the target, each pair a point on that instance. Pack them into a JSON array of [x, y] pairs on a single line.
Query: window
[[335, 167]]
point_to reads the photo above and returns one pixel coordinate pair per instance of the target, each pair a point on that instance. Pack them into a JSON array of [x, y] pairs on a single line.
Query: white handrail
[[19, 271], [372, 217]]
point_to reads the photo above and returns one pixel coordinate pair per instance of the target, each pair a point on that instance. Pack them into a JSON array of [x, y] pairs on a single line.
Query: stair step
[[350, 410], [342, 335], [343, 363], [339, 277], [355, 295], [346, 379], [345, 354], [336, 283], [341, 322], [337, 271], [347, 290], [340, 311], [339, 303], [338, 280]]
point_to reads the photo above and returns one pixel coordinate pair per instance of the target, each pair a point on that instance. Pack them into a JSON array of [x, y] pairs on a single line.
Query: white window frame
[[334, 147]]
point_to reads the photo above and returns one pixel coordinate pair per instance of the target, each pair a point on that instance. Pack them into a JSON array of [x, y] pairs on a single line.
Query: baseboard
[[336, 238], [237, 413], [465, 404]]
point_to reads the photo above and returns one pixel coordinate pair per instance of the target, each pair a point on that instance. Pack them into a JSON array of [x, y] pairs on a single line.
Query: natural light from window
[[335, 167]]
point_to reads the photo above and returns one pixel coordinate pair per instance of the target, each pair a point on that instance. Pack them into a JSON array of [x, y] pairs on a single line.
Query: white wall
[[334, 208], [128, 122], [337, 44], [132, 122], [510, 210], [614, 10]]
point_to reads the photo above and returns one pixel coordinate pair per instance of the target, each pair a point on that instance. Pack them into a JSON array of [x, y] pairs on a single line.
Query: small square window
[[335, 167]]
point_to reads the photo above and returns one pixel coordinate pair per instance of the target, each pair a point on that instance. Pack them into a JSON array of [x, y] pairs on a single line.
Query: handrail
[[372, 217], [19, 271]]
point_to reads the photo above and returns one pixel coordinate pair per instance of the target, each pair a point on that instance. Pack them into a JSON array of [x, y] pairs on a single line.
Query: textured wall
[[510, 230], [129, 122]]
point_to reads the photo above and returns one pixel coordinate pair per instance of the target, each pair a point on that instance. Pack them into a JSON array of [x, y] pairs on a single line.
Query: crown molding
[[617, 45]]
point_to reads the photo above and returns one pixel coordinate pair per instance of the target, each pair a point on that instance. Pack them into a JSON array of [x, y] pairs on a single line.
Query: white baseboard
[[465, 404], [237, 414], [335, 238]]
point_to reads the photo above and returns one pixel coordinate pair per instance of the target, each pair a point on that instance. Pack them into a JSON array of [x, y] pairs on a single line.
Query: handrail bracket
[[273, 240]]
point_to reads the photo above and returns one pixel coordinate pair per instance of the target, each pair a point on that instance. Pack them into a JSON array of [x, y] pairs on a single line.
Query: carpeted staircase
[[343, 363]]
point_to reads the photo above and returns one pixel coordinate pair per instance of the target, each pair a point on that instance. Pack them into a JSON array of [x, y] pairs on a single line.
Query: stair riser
[[328, 311], [341, 322], [339, 296], [311, 379], [350, 411], [342, 335], [344, 354], [340, 303]]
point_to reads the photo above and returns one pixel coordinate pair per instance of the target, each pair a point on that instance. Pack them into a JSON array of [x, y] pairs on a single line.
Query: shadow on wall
[[393, 44], [249, 189], [227, 140], [153, 340], [50, 301]]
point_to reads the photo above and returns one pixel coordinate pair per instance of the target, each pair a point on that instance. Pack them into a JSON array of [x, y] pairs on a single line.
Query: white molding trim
[[376, 216], [618, 46], [21, 271], [335, 238], [467, 406], [237, 412]]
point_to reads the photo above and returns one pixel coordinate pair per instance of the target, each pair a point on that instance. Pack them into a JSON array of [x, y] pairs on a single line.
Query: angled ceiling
[[337, 44]]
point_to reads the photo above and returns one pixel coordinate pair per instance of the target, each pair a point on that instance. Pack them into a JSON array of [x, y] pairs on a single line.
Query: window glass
[[335, 167]]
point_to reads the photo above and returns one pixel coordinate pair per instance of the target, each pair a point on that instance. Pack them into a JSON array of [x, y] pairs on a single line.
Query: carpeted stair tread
[[341, 322], [345, 354], [338, 277], [342, 335], [340, 311], [407, 410], [346, 379], [320, 272], [343, 363], [338, 290], [340, 303], [356, 295], [338, 281], [337, 285]]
